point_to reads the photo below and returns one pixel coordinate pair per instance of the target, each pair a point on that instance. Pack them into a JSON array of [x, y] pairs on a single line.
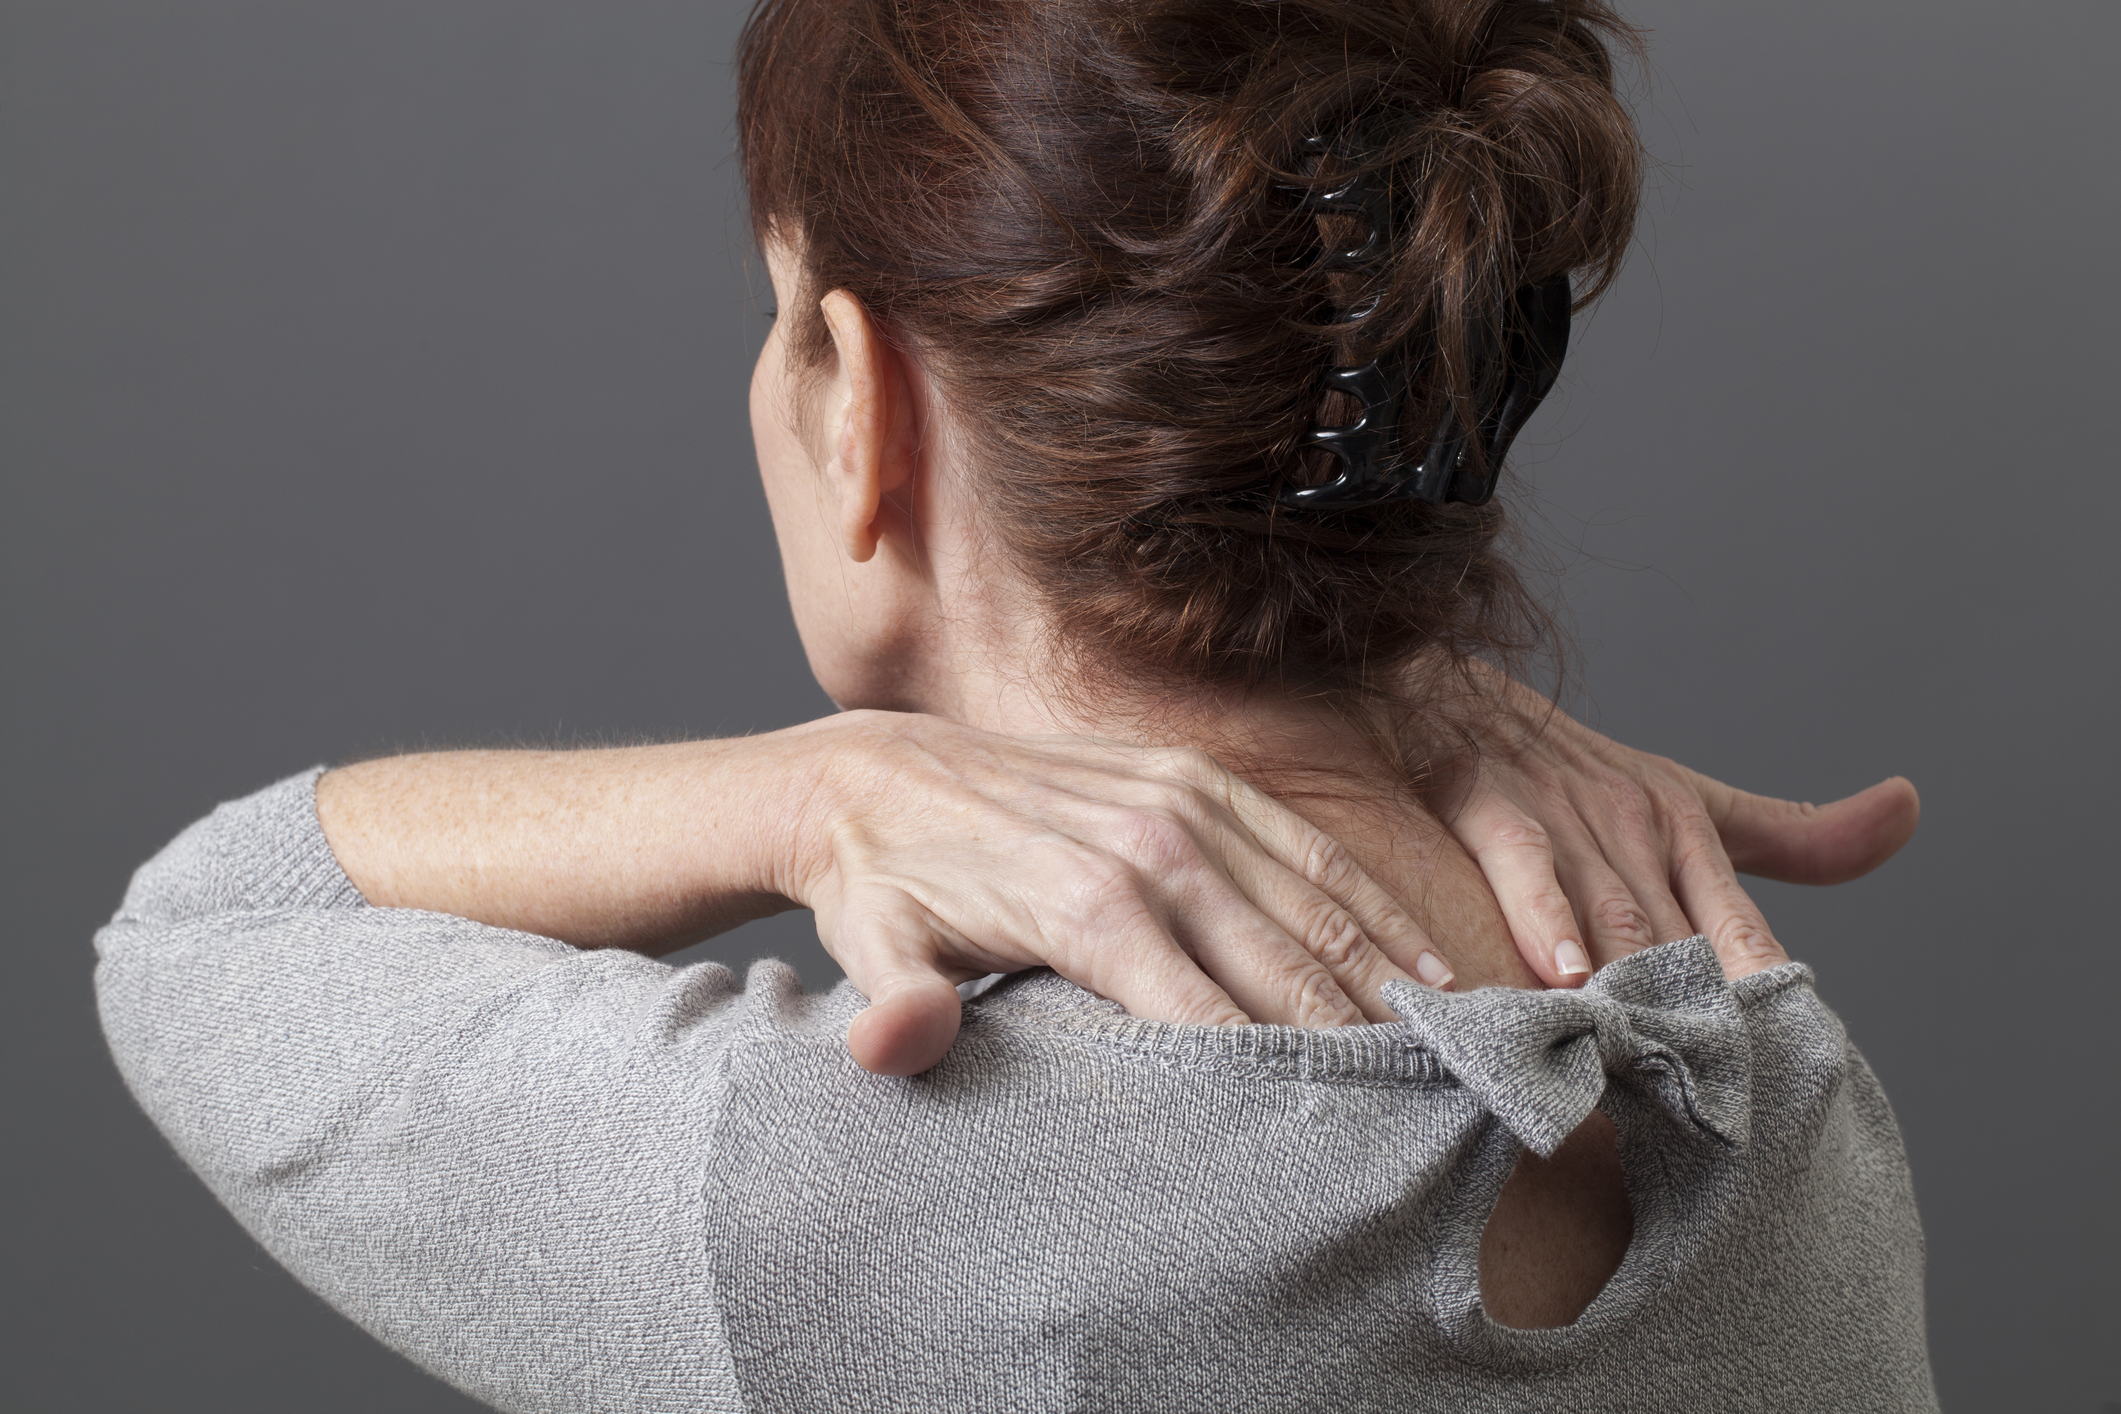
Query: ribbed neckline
[[1376, 1053]]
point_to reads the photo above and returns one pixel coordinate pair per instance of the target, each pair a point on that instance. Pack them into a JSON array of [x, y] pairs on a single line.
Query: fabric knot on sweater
[[1662, 1022]]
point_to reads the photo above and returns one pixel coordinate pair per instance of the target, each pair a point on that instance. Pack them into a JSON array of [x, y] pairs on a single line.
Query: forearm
[[646, 848]]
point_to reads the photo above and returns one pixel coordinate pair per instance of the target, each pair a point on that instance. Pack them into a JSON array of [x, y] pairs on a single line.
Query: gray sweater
[[583, 1181]]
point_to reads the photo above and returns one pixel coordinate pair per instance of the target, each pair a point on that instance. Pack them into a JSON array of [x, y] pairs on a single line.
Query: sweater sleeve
[[486, 1147]]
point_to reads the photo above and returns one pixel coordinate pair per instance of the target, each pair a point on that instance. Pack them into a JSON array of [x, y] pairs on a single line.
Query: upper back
[[1078, 1210]]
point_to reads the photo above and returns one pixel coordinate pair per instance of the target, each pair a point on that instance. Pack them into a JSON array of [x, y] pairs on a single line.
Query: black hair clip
[[1372, 467], [1353, 197]]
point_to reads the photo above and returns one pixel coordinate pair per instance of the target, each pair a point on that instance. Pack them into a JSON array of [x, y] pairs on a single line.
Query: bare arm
[[932, 853], [645, 848]]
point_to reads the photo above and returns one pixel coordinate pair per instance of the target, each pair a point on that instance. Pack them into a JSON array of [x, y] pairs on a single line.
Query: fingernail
[[1569, 960], [1432, 970]]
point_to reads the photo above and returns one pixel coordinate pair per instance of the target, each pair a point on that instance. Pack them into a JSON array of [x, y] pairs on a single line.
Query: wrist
[[814, 785]]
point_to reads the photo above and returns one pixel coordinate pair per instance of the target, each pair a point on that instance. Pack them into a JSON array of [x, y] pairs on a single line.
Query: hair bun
[[1078, 210]]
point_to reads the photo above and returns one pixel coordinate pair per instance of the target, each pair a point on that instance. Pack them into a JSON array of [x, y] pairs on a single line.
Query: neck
[[1302, 751]]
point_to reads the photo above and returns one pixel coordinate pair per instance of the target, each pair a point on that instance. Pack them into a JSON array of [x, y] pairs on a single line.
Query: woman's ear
[[873, 434]]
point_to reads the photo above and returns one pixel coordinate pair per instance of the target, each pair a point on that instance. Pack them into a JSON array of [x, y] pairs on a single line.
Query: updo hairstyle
[[1080, 214]]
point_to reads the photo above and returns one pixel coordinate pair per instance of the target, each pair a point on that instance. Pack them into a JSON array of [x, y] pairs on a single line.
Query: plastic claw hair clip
[[1373, 469]]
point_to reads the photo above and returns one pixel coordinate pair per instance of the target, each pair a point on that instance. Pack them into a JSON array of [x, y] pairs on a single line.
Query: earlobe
[[871, 455]]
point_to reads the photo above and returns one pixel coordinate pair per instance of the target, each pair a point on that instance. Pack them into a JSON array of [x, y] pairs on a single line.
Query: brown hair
[[1078, 211]]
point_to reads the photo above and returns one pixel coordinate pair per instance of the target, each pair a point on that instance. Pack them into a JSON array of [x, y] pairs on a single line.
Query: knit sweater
[[567, 1180]]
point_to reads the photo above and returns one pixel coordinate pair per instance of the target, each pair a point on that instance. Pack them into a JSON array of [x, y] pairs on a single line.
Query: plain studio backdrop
[[374, 379]]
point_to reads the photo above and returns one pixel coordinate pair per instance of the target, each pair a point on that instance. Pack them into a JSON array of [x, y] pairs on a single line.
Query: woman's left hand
[[1595, 850]]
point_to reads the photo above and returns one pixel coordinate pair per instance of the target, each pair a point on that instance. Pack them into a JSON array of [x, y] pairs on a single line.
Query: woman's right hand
[[933, 853]]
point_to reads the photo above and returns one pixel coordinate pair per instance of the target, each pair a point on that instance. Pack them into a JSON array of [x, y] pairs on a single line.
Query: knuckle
[[1328, 865], [1197, 763], [1696, 845], [1319, 999], [1522, 835], [1683, 826], [1747, 940], [1154, 840], [1335, 939], [1619, 922], [1184, 802], [1631, 813], [1094, 885], [1662, 767], [1551, 902], [1787, 813], [1682, 811], [1186, 763]]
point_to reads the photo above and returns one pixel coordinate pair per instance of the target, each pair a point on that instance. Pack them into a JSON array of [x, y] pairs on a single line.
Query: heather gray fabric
[[575, 1181]]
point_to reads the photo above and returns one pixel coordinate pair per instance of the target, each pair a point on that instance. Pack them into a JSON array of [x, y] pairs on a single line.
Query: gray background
[[373, 378]]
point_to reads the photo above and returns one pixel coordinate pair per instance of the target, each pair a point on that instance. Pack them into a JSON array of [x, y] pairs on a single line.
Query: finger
[[1641, 858], [1718, 907], [1154, 859], [1302, 851], [908, 1026], [1264, 970], [1109, 940], [1614, 922], [1632, 830], [1254, 961], [1516, 855], [892, 950], [1157, 980], [1812, 844], [1327, 931]]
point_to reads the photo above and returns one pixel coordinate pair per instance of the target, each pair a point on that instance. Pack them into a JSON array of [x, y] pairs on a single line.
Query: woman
[[1062, 282]]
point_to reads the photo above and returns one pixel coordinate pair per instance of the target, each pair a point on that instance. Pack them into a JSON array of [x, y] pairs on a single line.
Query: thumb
[[892, 949], [1812, 844]]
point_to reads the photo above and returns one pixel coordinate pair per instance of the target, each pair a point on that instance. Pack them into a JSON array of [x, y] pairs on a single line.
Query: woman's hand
[[932, 853], [1595, 850], [937, 853]]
